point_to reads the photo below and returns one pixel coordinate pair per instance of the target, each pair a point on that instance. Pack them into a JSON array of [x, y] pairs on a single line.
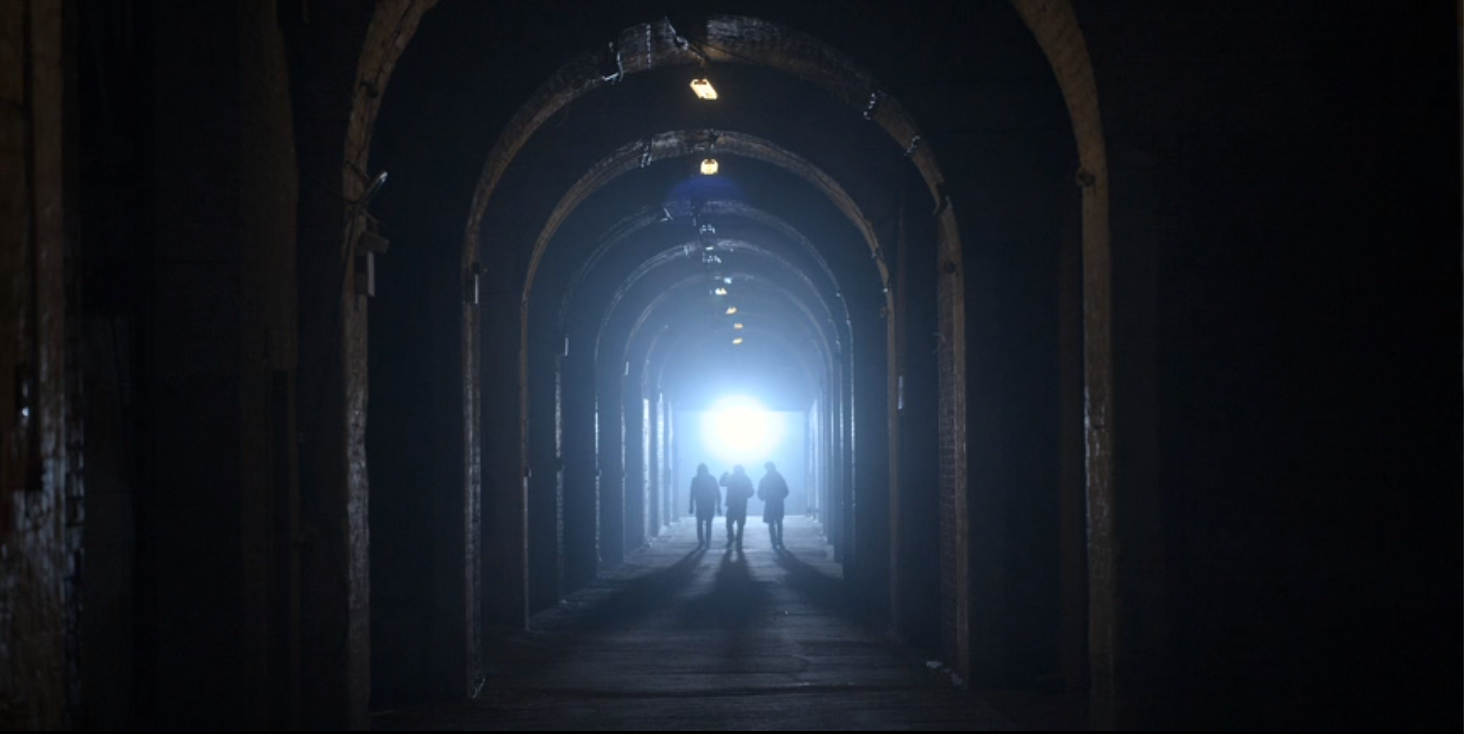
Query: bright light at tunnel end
[[738, 429]]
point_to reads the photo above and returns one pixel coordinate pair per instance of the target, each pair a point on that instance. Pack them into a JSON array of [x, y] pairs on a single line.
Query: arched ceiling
[[722, 40], [592, 187], [738, 230], [783, 130]]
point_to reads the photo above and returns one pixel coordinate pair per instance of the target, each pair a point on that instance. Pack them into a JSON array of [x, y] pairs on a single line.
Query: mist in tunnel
[[663, 281], [1087, 336], [749, 437]]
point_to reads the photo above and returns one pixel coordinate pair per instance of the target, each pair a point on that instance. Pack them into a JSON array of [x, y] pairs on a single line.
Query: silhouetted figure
[[739, 491], [706, 500], [772, 490]]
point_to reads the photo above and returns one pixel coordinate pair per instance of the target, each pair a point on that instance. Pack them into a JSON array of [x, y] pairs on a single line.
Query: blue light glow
[[739, 430]]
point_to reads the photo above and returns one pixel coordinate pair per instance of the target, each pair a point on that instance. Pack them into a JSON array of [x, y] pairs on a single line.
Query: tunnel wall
[[40, 491], [1285, 224]]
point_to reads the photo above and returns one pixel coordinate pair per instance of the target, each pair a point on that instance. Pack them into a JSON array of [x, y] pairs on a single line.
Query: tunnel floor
[[681, 638]]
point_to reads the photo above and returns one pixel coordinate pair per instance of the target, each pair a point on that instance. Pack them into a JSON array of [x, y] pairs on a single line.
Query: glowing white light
[[709, 166], [739, 430], [731, 310], [737, 326], [720, 291], [738, 340], [703, 89]]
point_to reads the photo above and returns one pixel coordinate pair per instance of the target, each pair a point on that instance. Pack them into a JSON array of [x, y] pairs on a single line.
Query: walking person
[[772, 489], [739, 491], [706, 500]]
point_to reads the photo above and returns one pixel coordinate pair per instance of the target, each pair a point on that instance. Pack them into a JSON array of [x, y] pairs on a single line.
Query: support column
[[610, 448], [505, 486], [580, 507]]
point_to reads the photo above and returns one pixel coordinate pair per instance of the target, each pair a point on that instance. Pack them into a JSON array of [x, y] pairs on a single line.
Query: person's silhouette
[[739, 491], [706, 500], [772, 490]]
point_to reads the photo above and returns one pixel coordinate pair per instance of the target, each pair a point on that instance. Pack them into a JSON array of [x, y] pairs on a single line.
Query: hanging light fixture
[[737, 326], [709, 166], [720, 291], [703, 89], [731, 310], [738, 340]]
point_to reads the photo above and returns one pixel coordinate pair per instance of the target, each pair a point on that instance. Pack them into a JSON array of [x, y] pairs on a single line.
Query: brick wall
[[38, 558]]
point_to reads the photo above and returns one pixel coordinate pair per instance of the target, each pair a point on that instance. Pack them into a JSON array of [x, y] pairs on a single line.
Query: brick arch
[[819, 321], [393, 23], [1055, 26], [648, 217], [740, 40], [802, 306], [678, 144], [683, 143], [642, 320], [727, 39], [730, 39]]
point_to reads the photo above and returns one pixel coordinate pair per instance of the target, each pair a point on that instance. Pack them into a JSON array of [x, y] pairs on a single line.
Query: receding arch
[[663, 147], [676, 289], [749, 40], [647, 217], [684, 143], [744, 40], [818, 320], [726, 39]]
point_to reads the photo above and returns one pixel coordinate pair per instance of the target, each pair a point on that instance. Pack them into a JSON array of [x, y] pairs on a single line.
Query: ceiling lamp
[[737, 325], [731, 310], [703, 89], [738, 340], [720, 291], [709, 167]]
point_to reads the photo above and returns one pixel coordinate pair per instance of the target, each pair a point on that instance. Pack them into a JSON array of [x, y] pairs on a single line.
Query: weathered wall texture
[[36, 554], [341, 56]]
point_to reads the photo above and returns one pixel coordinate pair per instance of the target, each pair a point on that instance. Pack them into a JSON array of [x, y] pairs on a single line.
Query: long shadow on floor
[[821, 589], [610, 603], [735, 608], [736, 602]]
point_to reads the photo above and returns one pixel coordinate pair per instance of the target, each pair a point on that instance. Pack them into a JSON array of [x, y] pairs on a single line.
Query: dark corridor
[[352, 352]]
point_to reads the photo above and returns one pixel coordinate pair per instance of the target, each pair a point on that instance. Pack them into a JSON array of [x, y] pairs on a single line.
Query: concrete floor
[[682, 638]]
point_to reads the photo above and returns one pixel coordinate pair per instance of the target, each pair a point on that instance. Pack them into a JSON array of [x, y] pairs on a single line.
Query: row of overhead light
[[705, 91], [721, 290]]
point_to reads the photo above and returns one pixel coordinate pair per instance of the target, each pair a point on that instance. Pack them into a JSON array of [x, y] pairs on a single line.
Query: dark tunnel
[[360, 358]]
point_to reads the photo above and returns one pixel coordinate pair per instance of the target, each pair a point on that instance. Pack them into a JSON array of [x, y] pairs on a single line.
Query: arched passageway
[[838, 224], [343, 342]]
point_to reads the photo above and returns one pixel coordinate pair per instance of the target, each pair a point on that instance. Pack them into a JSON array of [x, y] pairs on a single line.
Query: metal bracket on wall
[[471, 290], [368, 244], [26, 422]]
